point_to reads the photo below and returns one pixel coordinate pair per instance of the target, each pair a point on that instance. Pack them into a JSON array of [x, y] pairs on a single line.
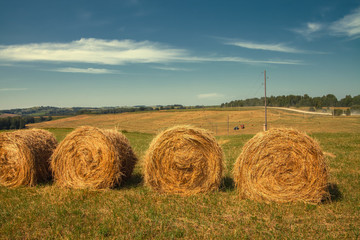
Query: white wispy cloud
[[309, 30], [349, 25], [209, 95], [313, 27], [96, 51], [277, 47], [171, 69], [86, 70], [249, 61], [6, 64], [12, 89], [111, 52]]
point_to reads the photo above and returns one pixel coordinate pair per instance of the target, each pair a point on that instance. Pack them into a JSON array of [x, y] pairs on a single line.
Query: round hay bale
[[281, 165], [24, 157], [93, 158], [183, 160]]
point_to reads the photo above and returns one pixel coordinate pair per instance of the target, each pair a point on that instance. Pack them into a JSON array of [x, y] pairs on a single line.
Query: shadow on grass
[[335, 194], [46, 183], [134, 181], [227, 184]]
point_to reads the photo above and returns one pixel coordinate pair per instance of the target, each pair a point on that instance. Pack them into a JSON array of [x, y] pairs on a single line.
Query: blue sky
[[133, 52]]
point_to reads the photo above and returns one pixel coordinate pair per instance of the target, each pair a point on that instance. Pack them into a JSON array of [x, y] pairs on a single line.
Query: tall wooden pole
[[265, 124]]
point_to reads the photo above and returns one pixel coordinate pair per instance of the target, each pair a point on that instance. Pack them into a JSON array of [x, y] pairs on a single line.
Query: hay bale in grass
[[24, 157], [183, 160], [93, 158], [281, 165]]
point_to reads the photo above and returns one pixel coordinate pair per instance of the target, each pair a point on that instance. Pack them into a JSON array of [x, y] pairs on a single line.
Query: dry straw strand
[[93, 158], [24, 157], [282, 165], [183, 160]]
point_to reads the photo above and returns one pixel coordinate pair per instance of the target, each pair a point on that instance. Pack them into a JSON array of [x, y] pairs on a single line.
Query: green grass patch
[[60, 133], [132, 211]]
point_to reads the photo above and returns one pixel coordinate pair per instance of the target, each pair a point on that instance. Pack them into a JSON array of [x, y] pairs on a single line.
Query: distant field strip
[[301, 111]]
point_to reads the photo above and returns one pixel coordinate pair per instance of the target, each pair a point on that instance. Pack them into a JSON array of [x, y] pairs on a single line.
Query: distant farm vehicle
[[242, 126]]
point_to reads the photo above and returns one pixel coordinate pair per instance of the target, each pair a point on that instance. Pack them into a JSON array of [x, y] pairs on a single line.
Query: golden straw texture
[[183, 160], [24, 157], [281, 165], [92, 158]]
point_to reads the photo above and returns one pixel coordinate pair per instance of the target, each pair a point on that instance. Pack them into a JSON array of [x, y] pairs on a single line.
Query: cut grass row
[[134, 212]]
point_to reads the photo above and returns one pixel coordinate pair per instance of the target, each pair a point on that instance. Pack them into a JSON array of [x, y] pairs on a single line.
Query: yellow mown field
[[221, 122]]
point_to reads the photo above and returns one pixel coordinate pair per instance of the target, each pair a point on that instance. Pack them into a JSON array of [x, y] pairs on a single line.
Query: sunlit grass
[[132, 211]]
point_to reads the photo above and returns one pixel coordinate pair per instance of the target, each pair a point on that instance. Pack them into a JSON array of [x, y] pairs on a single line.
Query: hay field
[[213, 120], [133, 211]]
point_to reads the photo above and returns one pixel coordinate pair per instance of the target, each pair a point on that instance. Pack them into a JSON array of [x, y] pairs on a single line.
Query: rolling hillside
[[221, 122]]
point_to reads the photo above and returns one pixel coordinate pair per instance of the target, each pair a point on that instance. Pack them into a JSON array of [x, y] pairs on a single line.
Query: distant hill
[[56, 111], [220, 121], [328, 100]]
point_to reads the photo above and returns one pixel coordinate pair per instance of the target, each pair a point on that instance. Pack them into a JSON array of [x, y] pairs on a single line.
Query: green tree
[[305, 101], [4, 123], [346, 102], [338, 112], [13, 123], [21, 123], [317, 102], [356, 100], [329, 100]]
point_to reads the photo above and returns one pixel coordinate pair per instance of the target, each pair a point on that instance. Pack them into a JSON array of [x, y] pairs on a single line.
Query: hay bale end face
[[183, 160], [281, 165], [24, 157], [93, 158]]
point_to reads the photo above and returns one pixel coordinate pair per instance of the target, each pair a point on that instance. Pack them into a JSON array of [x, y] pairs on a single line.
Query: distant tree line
[[114, 110], [20, 122], [329, 100], [15, 122], [55, 111], [42, 111]]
